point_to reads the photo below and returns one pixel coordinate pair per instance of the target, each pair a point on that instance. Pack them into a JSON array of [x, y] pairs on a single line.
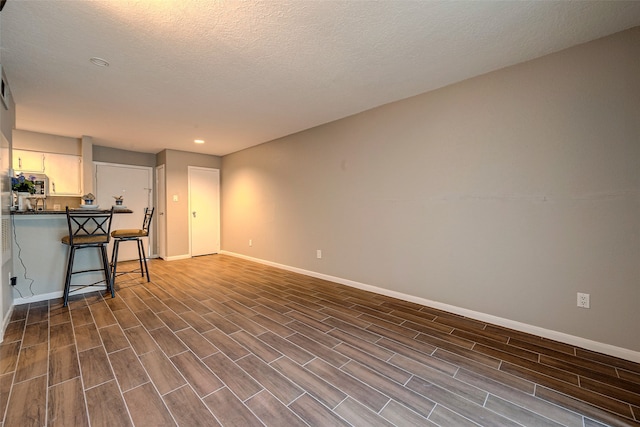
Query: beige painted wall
[[177, 183], [7, 123], [505, 194]]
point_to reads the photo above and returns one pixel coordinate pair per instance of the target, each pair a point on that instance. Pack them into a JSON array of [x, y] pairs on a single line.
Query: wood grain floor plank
[[140, 339], [400, 415], [232, 376], [401, 394], [197, 374], [168, 341], [187, 409], [459, 404], [66, 406], [102, 314], [147, 407], [521, 395], [106, 406], [198, 344], [126, 319], [281, 387], [128, 369], [148, 319], [81, 315], [95, 367], [359, 415], [61, 335], [9, 353], [14, 331], [33, 391], [517, 413], [256, 346], [387, 369], [226, 344], [38, 312], [162, 372], [358, 390], [35, 333], [196, 321], [314, 413], [6, 382], [63, 364], [113, 338], [272, 412], [229, 410], [32, 362], [349, 356], [315, 385]]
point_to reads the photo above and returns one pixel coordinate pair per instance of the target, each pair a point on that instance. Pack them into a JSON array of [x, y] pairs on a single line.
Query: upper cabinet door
[[28, 161], [65, 174]]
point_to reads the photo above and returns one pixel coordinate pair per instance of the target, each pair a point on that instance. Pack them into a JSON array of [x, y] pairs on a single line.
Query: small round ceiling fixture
[[199, 141], [99, 62]]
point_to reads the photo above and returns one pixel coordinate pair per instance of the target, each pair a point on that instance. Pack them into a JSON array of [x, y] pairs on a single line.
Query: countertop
[[62, 212]]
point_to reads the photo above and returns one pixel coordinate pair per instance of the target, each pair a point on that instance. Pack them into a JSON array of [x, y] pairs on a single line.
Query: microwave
[[41, 184]]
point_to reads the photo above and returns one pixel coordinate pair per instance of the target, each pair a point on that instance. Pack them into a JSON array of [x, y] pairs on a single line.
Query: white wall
[[7, 123], [505, 194]]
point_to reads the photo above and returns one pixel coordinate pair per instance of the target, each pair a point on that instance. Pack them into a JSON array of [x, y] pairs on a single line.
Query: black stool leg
[[143, 258], [67, 281], [140, 256], [114, 261], [107, 271]]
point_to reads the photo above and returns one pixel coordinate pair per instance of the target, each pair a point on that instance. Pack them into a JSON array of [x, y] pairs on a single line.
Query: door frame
[[161, 217]]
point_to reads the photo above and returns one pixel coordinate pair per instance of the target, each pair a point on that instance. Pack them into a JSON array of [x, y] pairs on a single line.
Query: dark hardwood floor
[[218, 340]]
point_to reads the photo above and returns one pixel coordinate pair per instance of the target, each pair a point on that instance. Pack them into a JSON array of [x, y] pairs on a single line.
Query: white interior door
[[204, 210], [134, 183], [161, 219]]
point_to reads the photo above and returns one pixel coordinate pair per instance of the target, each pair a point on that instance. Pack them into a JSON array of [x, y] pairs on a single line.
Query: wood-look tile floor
[[218, 340]]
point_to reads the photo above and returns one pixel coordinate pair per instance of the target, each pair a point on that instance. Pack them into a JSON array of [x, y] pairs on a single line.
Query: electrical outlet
[[584, 300], [319, 254], [250, 242]]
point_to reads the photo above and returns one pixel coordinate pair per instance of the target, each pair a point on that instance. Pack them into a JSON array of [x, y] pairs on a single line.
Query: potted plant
[[88, 199], [23, 188], [22, 184]]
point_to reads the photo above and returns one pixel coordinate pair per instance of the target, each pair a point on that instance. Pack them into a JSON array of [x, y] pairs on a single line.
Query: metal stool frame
[[87, 229], [128, 235]]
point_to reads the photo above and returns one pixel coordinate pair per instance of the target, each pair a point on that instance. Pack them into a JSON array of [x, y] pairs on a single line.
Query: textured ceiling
[[237, 74]]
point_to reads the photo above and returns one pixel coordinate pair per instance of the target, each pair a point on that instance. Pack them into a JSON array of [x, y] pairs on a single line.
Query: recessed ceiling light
[[199, 141], [99, 62]]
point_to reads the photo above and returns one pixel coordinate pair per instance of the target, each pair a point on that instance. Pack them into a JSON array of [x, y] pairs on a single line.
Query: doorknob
[[194, 214]]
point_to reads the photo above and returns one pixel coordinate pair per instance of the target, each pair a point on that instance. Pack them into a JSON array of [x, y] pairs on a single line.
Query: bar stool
[[87, 229], [135, 234]]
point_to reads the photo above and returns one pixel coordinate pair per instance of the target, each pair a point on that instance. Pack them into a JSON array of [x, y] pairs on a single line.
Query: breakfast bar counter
[[40, 258]]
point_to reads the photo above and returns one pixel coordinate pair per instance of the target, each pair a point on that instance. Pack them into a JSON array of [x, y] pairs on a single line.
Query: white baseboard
[[177, 257], [596, 346], [54, 295]]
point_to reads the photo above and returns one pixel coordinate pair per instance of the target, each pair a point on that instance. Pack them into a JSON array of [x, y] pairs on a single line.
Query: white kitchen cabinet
[[28, 161], [65, 174], [63, 170]]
